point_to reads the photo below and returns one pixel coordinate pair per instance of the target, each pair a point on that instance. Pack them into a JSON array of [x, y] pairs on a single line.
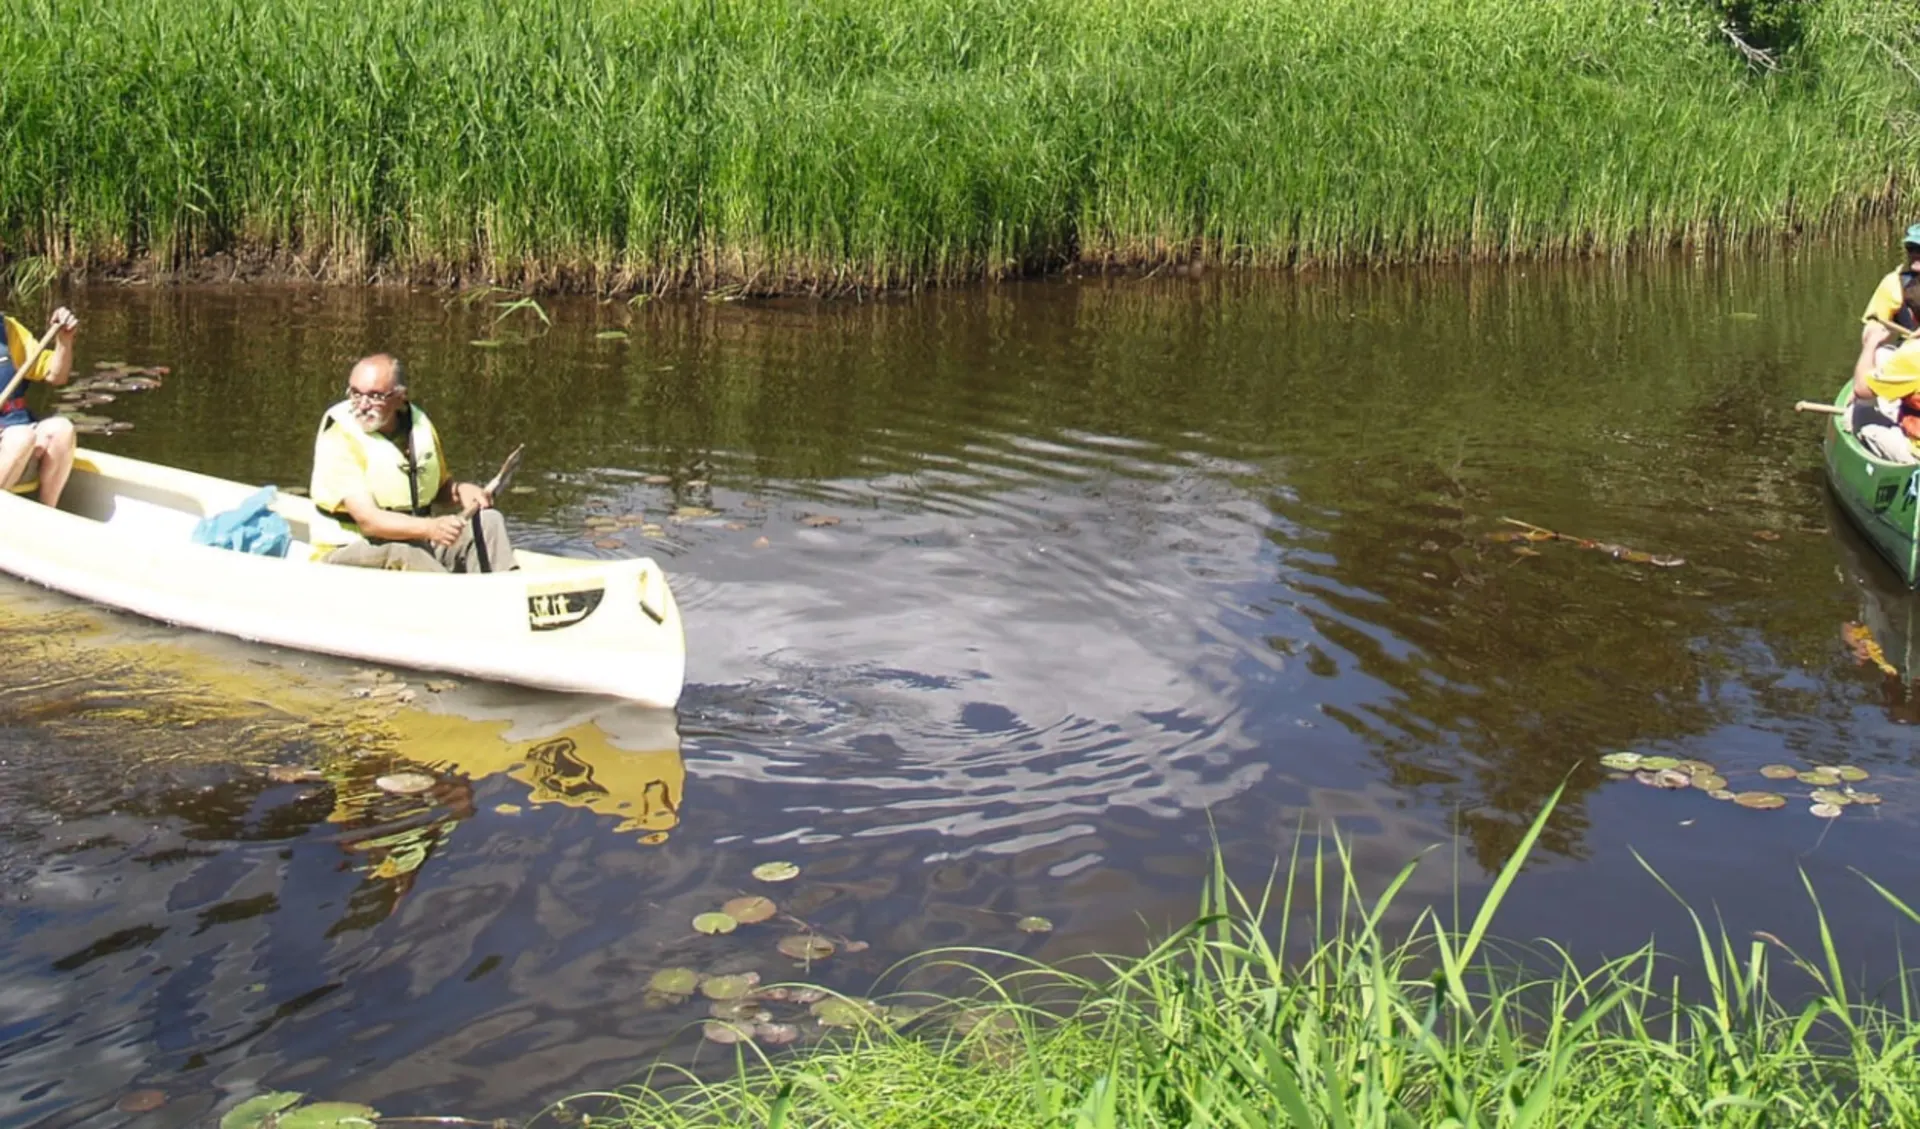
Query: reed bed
[[1375, 1028], [779, 144]]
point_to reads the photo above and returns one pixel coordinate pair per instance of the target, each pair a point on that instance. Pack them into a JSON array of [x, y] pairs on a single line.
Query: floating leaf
[[818, 520], [1826, 811], [1830, 796], [1657, 763], [1868, 798], [776, 871], [725, 987], [1665, 778], [141, 1101], [606, 543], [715, 923], [1710, 782], [507, 809], [657, 479], [776, 1034], [674, 981], [1819, 777], [807, 995], [1034, 925], [253, 1111], [841, 1013], [329, 1115], [1779, 772], [611, 335], [1621, 760], [487, 343], [688, 513], [749, 910], [1765, 535], [805, 946], [1852, 774], [744, 1010], [1695, 767], [725, 1032], [1760, 801], [404, 783], [1721, 794]]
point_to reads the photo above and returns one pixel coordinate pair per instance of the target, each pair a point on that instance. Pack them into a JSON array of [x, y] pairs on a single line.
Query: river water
[[999, 602]]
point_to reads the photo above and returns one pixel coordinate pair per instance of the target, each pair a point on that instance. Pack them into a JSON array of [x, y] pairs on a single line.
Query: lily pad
[[674, 981], [749, 910], [487, 343], [743, 1010], [1852, 774], [1831, 796], [1623, 761], [1695, 767], [776, 871], [1779, 772], [725, 987], [805, 946], [776, 1034], [715, 923], [330, 1115], [1657, 763], [725, 1032], [1721, 794], [1034, 925], [1760, 801], [1867, 798], [1709, 782], [1664, 778], [404, 783], [807, 995], [818, 521], [1826, 811], [1819, 777], [141, 1101], [611, 335], [606, 543], [840, 1013], [253, 1111]]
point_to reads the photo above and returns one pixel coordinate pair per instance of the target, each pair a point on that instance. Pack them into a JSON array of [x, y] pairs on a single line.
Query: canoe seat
[[30, 481]]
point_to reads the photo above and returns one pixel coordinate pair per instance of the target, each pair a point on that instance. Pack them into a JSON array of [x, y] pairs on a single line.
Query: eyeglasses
[[372, 397]]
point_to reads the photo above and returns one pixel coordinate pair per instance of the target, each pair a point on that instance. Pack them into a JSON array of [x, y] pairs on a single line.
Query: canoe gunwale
[[1897, 541]]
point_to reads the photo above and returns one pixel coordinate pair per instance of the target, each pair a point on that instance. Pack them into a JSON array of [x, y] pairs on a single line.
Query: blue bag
[[249, 527]]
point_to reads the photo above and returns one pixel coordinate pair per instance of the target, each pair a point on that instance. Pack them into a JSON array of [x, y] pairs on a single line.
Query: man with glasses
[[378, 469]]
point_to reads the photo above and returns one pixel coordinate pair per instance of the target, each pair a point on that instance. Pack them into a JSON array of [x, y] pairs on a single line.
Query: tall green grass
[[788, 143], [1431, 1025]]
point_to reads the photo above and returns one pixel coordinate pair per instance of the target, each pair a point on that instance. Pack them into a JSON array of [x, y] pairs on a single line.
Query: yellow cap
[[1900, 375]]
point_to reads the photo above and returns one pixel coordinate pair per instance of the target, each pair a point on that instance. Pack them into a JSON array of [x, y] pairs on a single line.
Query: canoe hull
[[1881, 498], [121, 538]]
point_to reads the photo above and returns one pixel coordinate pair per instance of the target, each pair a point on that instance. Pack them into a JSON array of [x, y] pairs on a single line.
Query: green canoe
[[1878, 495]]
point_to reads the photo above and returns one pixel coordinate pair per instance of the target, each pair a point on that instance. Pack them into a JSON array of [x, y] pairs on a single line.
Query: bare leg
[[16, 447], [53, 438]]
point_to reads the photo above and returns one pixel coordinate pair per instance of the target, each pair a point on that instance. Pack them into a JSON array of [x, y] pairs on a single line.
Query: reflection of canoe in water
[[121, 537], [1889, 610], [1881, 498]]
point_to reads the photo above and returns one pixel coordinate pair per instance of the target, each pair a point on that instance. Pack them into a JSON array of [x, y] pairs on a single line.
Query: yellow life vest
[[386, 472]]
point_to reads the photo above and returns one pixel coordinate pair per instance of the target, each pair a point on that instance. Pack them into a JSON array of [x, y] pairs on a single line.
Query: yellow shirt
[[1887, 298], [347, 460]]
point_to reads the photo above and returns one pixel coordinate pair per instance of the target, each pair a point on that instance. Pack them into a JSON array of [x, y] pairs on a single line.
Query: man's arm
[[1872, 336], [389, 526]]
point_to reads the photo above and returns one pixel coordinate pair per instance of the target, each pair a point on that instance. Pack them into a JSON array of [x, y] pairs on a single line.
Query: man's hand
[[64, 321], [471, 494], [444, 531]]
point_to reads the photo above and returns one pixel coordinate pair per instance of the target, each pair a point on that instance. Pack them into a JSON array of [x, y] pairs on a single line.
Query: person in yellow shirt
[[378, 468], [1892, 314], [30, 446]]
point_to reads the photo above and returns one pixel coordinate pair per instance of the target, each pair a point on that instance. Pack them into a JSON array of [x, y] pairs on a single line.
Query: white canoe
[[122, 537]]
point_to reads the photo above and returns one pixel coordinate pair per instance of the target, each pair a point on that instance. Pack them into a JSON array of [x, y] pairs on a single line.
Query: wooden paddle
[[33, 358], [493, 485], [1816, 406]]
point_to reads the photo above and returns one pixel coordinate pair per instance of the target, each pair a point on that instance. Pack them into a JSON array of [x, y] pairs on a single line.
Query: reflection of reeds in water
[[875, 143], [1436, 1025]]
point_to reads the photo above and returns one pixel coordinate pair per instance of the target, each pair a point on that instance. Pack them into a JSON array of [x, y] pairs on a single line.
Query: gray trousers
[[424, 556]]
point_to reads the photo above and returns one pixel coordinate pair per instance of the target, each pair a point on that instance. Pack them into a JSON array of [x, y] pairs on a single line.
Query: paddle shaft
[[33, 358], [1816, 406], [497, 481]]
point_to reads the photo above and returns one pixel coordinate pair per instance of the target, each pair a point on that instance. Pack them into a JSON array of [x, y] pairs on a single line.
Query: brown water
[[1119, 566]]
